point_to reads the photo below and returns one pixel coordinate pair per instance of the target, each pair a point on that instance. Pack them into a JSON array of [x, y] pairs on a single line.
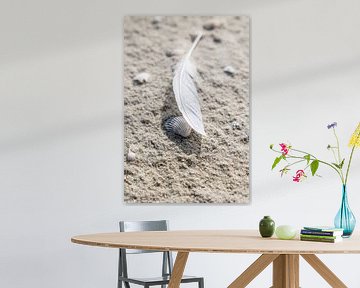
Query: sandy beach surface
[[163, 167]]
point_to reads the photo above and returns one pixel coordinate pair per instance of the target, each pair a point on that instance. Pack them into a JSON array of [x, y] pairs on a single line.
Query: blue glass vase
[[345, 219]]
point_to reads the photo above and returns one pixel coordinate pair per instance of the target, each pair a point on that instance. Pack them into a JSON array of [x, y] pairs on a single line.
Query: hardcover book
[[320, 237], [321, 233], [323, 228], [325, 240]]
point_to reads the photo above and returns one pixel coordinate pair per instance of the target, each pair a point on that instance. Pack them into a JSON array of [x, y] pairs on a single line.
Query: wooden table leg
[[253, 270], [324, 271], [178, 269], [279, 269], [293, 264], [286, 271]]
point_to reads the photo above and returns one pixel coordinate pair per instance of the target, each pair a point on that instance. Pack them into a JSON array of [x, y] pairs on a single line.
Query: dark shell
[[178, 126]]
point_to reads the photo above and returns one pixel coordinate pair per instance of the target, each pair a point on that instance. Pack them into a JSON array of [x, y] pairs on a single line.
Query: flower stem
[[338, 146], [338, 171], [304, 152], [311, 159], [350, 159], [296, 162], [333, 152], [339, 156], [348, 167]]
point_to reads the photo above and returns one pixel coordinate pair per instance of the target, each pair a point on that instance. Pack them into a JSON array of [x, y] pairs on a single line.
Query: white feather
[[185, 91]]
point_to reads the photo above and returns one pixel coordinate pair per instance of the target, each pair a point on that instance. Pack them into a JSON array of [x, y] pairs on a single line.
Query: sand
[[166, 168]]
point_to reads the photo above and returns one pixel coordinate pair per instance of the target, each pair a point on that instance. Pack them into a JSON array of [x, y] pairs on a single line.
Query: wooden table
[[284, 254]]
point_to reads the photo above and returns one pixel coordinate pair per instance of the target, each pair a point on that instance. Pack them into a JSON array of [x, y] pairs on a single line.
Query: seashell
[[130, 156], [178, 126], [142, 78], [230, 70]]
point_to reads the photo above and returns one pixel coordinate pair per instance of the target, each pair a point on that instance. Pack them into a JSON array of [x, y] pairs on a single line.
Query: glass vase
[[345, 219]]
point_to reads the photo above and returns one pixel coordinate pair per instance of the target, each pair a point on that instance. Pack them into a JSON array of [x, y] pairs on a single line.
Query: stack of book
[[321, 234]]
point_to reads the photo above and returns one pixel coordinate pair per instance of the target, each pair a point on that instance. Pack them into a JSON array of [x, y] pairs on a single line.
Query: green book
[[325, 240], [319, 236]]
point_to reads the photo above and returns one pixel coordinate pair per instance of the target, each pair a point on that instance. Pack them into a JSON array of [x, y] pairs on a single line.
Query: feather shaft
[[186, 92]]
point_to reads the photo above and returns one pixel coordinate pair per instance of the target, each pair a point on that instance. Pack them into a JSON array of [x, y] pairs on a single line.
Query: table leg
[[286, 271], [324, 271], [253, 270], [178, 269]]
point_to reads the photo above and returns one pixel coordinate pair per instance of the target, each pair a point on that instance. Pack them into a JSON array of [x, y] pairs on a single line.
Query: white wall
[[61, 133]]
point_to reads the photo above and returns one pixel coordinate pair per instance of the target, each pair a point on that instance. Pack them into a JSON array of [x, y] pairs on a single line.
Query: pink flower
[[284, 148], [300, 174]]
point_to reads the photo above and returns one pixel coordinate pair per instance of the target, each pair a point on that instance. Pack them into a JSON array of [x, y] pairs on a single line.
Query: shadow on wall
[[312, 74], [86, 23], [58, 133]]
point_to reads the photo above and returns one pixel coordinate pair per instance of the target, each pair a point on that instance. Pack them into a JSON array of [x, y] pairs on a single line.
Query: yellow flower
[[355, 137]]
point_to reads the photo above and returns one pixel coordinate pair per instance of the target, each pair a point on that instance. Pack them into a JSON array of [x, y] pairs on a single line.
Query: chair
[[167, 262]]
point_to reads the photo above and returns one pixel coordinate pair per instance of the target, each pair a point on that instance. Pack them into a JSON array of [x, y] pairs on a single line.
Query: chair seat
[[158, 280]]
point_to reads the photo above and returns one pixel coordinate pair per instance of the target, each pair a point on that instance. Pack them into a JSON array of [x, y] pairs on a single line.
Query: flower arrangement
[[293, 156]]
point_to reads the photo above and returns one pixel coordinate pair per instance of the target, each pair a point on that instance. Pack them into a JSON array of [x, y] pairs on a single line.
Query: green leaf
[[271, 146], [342, 163], [314, 166], [284, 171], [339, 166], [307, 157], [276, 162], [336, 165]]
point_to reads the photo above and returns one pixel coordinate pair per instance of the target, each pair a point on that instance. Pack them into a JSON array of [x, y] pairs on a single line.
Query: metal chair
[[167, 262]]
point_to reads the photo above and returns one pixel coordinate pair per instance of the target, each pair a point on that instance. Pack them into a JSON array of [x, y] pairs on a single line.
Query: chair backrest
[[133, 226], [137, 226]]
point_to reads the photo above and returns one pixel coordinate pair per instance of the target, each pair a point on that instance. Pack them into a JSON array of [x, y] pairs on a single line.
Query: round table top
[[219, 241]]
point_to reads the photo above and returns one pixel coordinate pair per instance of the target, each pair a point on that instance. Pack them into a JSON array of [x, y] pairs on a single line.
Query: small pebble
[[245, 139], [235, 125], [157, 19], [130, 156], [214, 24], [141, 78], [230, 70], [175, 52], [193, 36], [216, 38]]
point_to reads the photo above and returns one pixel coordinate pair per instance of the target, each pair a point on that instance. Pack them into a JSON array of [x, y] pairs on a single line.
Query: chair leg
[[126, 284], [201, 283], [120, 270]]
